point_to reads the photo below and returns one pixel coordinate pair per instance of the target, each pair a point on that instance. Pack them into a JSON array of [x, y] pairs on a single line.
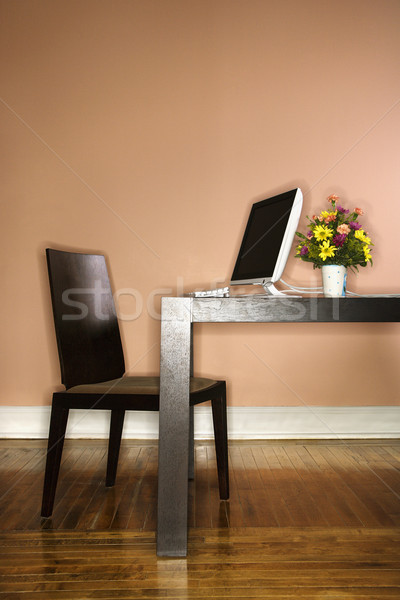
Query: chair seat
[[137, 385]]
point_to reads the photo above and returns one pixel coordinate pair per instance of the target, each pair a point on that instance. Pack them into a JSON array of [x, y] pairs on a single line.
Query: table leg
[[191, 444], [174, 434], [191, 417]]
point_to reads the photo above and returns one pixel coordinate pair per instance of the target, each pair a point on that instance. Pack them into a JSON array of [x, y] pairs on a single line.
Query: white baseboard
[[281, 422]]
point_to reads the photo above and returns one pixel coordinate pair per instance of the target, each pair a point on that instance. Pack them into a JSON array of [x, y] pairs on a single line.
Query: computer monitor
[[267, 241]]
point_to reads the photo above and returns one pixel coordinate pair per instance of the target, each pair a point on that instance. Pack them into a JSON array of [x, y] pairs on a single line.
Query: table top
[[277, 309]]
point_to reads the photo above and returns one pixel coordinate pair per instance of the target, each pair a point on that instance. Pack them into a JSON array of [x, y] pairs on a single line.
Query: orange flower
[[333, 198], [359, 211]]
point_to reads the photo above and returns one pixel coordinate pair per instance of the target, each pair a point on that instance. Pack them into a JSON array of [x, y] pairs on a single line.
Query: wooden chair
[[92, 367]]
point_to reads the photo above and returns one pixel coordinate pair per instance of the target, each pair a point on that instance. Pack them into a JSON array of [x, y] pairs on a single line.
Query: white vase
[[334, 280]]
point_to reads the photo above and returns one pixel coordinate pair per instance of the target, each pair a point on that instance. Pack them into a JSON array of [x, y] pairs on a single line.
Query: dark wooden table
[[177, 318]]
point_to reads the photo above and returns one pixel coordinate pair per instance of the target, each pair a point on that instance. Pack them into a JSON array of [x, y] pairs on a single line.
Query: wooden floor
[[305, 520]]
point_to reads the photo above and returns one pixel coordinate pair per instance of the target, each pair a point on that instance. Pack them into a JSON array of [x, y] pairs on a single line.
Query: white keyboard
[[217, 293]]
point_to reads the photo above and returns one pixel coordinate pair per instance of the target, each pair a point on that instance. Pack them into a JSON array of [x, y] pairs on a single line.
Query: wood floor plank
[[24, 494], [128, 482], [368, 489], [80, 484], [140, 510], [115, 495], [311, 493], [238, 485], [278, 506], [292, 487], [350, 507], [317, 483], [201, 516], [386, 471], [76, 498], [263, 501], [16, 474]]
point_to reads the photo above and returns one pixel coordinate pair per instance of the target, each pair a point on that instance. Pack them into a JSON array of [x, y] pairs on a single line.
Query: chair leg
[[58, 424], [221, 444], [114, 444]]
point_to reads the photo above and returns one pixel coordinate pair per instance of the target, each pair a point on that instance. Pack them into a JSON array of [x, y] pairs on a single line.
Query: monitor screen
[[267, 239]]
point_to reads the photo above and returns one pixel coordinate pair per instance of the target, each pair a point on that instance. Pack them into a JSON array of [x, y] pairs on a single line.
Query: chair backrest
[[87, 331]]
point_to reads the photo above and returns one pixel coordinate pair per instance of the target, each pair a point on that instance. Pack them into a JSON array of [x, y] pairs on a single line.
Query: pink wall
[[146, 129]]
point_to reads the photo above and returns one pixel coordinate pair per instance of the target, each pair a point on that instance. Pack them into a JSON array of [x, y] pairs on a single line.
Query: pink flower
[[333, 198], [343, 229], [358, 211], [339, 239]]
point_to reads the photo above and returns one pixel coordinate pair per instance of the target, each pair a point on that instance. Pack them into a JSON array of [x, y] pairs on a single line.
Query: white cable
[[372, 295], [318, 290], [300, 289]]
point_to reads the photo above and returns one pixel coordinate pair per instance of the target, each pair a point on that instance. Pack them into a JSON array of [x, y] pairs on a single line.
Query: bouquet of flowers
[[335, 237]]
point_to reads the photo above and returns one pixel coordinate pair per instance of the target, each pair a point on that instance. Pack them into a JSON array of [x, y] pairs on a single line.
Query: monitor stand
[[271, 290]]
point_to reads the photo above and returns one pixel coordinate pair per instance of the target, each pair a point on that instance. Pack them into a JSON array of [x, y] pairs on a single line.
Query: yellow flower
[[367, 240], [327, 251], [360, 235], [328, 213], [322, 233], [367, 253]]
